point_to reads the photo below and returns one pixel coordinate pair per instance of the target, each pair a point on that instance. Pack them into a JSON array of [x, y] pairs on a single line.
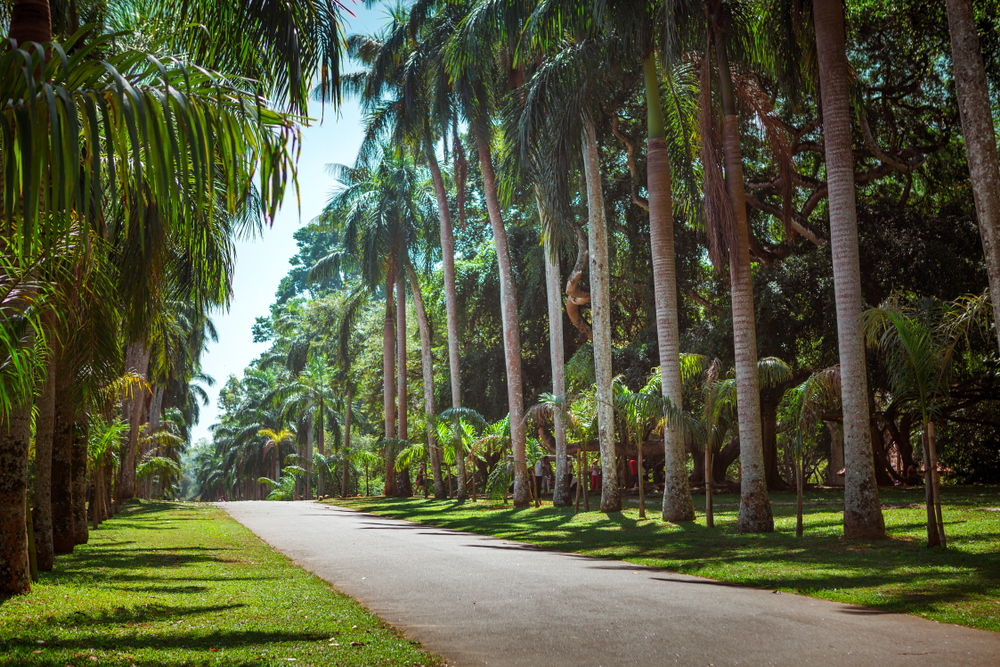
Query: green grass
[[183, 584], [958, 585]]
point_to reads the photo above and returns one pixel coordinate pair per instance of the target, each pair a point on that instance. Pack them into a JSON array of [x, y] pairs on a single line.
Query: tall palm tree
[[379, 208], [980, 137], [427, 366], [724, 29], [862, 509], [471, 66], [406, 95], [181, 134]]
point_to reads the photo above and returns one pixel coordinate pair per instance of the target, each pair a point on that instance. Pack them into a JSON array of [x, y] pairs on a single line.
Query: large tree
[[980, 138], [862, 509]]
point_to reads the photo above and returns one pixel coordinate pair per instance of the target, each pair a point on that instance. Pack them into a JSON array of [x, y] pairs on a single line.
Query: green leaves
[[79, 131]]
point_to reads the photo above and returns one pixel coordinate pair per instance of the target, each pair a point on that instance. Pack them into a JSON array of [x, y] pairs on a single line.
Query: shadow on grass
[[194, 641], [151, 613]]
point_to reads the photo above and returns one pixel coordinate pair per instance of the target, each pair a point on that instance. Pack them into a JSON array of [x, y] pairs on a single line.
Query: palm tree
[[380, 208], [472, 69], [721, 26], [709, 419], [980, 137], [402, 62], [919, 357], [807, 401], [249, 127], [862, 509], [561, 100], [427, 366], [557, 355], [640, 411], [273, 445], [600, 308]]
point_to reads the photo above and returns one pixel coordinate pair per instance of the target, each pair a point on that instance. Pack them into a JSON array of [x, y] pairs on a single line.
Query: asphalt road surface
[[481, 601]]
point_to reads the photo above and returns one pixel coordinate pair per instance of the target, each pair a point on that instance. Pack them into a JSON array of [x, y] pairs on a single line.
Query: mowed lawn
[[960, 584], [183, 584]]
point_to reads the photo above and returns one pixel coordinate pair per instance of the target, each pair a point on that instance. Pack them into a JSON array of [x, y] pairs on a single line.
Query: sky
[[263, 262]]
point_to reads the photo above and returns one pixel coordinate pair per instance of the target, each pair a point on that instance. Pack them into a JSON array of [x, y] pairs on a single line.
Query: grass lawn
[[183, 584], [958, 585]]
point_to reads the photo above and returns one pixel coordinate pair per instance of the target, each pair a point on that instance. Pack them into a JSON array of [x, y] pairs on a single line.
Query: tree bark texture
[[677, 502], [862, 509], [389, 387], [836, 454], [755, 508], [511, 333], [63, 526], [600, 310], [79, 481], [427, 366], [30, 21], [561, 496], [448, 266], [42, 511], [15, 436], [770, 399], [348, 418], [451, 308], [980, 139], [403, 486], [136, 360]]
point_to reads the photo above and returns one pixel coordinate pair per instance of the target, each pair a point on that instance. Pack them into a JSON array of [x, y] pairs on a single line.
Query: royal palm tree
[[475, 77], [406, 95], [862, 509], [979, 135]]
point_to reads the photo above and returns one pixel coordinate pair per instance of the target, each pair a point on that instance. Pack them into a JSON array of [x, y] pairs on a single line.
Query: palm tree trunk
[[511, 333], [709, 510], [677, 502], [30, 21], [42, 512], [307, 459], [755, 508], [389, 387], [451, 307], [427, 365], [15, 436], [95, 515], [32, 556], [933, 536], [321, 446], [79, 481], [642, 487], [553, 289], [936, 487], [980, 140], [579, 482], [862, 509], [798, 496], [600, 309], [136, 360], [403, 487], [348, 417], [63, 526]]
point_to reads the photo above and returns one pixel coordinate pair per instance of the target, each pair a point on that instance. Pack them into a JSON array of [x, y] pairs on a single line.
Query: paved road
[[480, 601]]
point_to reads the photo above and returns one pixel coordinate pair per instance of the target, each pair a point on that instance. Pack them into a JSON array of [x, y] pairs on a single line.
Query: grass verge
[[183, 584], [958, 585]]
